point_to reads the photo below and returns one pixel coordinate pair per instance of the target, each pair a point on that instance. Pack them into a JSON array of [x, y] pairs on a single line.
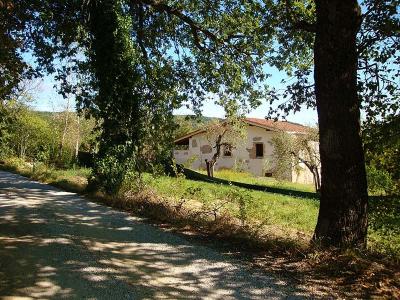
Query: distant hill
[[189, 123], [185, 123], [44, 114]]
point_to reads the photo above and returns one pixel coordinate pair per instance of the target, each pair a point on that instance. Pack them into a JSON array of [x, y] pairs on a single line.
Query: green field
[[286, 212], [262, 181]]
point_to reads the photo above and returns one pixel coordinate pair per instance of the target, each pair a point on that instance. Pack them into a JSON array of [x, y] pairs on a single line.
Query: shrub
[[244, 201], [379, 181], [16, 164], [112, 170]]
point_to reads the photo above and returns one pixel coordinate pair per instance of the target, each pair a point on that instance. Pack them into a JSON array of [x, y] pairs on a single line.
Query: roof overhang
[[182, 140], [261, 126]]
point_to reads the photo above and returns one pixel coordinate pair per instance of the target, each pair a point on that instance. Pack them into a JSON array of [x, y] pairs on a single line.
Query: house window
[[259, 150], [227, 151]]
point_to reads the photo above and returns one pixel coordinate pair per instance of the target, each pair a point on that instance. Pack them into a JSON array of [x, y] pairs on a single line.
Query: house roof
[[277, 125], [263, 123], [187, 136]]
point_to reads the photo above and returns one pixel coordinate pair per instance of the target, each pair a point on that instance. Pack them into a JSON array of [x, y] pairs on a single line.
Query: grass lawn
[[287, 213], [262, 181]]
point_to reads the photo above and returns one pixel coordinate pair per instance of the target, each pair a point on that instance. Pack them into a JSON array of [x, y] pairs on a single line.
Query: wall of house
[[243, 156], [181, 156]]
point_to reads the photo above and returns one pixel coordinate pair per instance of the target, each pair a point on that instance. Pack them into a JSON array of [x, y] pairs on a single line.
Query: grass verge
[[74, 180]]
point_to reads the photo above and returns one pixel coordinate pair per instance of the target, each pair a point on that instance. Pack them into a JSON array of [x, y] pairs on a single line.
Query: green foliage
[[133, 109], [31, 136], [296, 151], [185, 124], [379, 181], [382, 146], [143, 59], [384, 226], [52, 138], [284, 144], [294, 29], [113, 168], [8, 114], [244, 201]]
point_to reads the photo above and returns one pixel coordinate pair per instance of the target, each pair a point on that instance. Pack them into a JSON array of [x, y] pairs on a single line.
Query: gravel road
[[56, 245]]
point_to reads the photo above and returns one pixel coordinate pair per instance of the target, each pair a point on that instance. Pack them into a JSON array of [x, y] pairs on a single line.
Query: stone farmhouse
[[254, 155]]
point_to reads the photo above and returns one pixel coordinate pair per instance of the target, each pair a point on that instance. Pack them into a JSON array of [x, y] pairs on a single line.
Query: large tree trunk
[[342, 219]]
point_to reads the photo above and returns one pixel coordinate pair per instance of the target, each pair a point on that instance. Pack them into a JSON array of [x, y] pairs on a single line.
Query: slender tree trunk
[[78, 138], [65, 128], [342, 219], [217, 154], [317, 180]]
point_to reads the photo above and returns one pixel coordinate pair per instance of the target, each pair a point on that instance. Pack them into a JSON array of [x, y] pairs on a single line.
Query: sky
[[46, 98]]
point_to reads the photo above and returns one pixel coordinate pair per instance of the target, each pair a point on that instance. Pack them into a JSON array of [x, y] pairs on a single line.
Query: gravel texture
[[56, 245]]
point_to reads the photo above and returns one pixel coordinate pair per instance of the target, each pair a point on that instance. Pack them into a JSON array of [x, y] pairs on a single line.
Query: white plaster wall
[[181, 156], [240, 155], [302, 175], [305, 175]]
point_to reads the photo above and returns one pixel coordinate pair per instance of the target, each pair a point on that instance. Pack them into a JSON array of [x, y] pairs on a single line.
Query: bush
[[112, 170], [244, 201], [379, 181]]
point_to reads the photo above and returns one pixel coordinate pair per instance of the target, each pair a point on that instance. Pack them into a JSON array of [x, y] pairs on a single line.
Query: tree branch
[[306, 26], [297, 25], [140, 35], [194, 26]]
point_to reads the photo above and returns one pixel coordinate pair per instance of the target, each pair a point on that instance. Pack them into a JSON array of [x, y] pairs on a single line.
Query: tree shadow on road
[[54, 244]]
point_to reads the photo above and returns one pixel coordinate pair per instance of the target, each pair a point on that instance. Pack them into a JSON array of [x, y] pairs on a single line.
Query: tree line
[[52, 138]]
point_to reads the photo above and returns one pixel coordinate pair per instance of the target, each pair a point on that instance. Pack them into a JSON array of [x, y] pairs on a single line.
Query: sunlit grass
[[249, 178], [271, 209], [74, 179], [288, 213]]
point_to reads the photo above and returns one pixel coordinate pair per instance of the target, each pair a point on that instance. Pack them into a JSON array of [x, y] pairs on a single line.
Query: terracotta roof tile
[[279, 125], [274, 125]]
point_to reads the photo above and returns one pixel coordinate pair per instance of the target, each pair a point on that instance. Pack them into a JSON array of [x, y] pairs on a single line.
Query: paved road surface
[[57, 245]]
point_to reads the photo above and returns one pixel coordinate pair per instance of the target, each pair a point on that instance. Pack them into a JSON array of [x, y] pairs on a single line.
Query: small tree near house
[[224, 137], [292, 150]]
